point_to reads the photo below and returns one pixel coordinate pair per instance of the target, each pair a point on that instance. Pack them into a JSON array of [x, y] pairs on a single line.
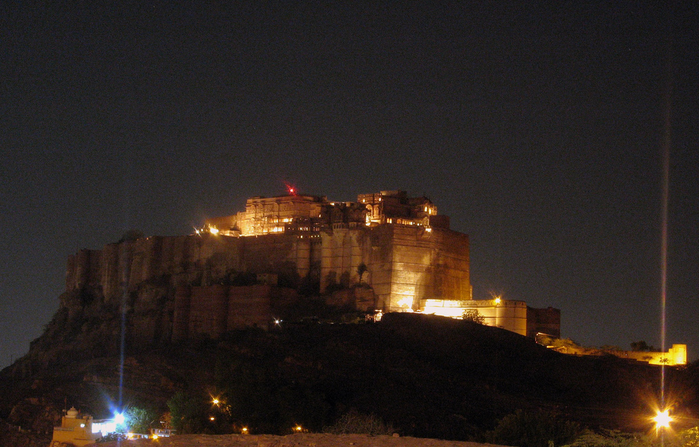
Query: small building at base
[[75, 430]]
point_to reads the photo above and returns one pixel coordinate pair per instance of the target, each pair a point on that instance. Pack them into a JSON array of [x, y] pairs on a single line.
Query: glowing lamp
[[662, 419], [119, 418], [215, 401]]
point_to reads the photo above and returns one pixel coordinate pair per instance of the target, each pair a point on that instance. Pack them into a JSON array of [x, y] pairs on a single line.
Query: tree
[[474, 316], [641, 346], [188, 413], [139, 420]]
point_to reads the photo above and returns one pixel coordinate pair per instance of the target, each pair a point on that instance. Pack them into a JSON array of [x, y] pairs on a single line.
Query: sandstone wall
[[428, 264], [211, 311], [174, 286], [185, 260], [405, 263]]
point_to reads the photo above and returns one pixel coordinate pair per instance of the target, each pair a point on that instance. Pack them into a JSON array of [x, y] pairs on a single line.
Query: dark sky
[[537, 126]]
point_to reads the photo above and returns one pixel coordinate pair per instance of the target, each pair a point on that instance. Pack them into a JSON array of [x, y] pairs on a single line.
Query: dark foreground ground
[[296, 440]]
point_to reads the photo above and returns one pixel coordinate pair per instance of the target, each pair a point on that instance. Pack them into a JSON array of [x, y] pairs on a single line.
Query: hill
[[425, 376]]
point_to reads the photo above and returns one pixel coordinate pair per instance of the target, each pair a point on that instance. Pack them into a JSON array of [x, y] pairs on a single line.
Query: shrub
[[689, 437], [612, 438], [474, 316], [355, 422], [534, 429]]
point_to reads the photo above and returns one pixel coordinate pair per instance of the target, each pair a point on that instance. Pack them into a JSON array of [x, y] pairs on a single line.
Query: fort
[[386, 252]]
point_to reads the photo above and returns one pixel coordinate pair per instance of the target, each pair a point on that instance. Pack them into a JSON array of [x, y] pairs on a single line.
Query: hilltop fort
[[386, 252], [150, 316]]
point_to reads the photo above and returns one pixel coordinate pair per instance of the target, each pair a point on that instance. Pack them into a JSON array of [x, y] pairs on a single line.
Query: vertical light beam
[[666, 144]]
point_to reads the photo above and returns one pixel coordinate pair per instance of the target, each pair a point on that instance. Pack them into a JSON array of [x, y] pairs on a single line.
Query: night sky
[[537, 126]]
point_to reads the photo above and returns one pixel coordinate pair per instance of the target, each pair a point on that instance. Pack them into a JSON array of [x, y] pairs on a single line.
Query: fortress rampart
[[205, 284]]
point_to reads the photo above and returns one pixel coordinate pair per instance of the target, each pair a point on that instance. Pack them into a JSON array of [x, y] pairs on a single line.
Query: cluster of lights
[[209, 229]]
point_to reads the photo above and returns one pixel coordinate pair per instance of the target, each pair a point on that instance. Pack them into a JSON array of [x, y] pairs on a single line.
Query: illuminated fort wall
[[182, 286], [404, 263], [409, 251], [506, 314], [514, 316], [675, 356]]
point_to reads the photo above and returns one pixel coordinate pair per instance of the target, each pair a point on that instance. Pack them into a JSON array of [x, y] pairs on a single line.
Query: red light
[[291, 189]]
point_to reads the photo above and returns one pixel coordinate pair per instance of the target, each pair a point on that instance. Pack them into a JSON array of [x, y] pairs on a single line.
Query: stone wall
[[211, 311], [546, 321], [180, 287], [173, 287], [186, 260], [404, 263]]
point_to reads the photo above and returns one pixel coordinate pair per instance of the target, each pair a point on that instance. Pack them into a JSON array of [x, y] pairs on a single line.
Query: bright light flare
[[291, 189], [662, 419], [119, 418]]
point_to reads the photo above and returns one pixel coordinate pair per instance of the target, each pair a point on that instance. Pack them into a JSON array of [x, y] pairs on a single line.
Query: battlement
[[297, 213]]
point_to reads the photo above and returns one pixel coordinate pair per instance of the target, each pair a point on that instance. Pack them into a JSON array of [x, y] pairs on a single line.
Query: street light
[[662, 419], [119, 418]]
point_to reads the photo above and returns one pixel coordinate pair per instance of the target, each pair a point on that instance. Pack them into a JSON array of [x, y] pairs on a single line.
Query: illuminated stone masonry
[[386, 252], [397, 245], [514, 316]]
